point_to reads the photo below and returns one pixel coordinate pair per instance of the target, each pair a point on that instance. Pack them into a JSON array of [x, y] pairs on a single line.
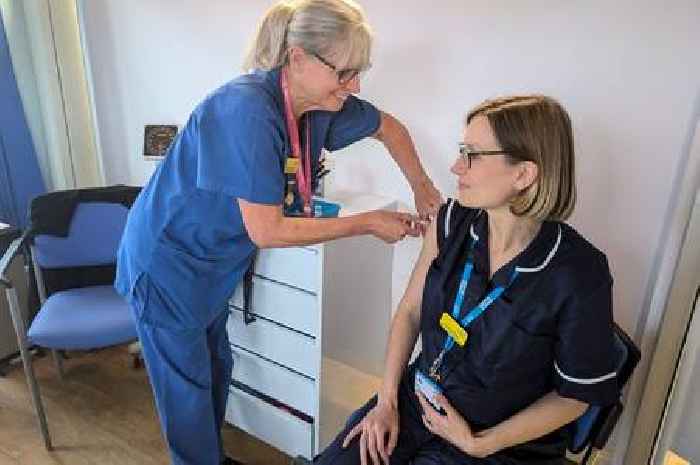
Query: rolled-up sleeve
[[355, 121]]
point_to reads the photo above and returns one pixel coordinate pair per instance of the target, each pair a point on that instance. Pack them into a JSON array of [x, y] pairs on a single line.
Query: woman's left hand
[[427, 198], [451, 426]]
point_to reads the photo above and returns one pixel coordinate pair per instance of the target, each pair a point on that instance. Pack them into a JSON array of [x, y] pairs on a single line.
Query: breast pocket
[[514, 352]]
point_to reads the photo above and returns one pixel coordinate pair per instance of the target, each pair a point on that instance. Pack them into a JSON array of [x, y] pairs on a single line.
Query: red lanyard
[[304, 171]]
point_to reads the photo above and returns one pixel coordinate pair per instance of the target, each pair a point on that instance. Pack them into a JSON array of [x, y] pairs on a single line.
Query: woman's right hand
[[379, 431], [392, 226]]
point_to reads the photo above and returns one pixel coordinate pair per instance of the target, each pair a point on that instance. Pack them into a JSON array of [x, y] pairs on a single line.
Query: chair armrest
[[10, 254], [606, 425]]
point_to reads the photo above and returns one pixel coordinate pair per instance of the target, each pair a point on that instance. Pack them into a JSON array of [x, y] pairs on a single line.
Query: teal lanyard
[[474, 313]]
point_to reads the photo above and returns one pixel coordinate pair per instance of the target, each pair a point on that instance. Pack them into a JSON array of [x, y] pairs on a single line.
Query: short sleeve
[[585, 363], [355, 121], [451, 217], [240, 154]]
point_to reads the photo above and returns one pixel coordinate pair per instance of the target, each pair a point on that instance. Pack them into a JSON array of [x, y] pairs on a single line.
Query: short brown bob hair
[[538, 129]]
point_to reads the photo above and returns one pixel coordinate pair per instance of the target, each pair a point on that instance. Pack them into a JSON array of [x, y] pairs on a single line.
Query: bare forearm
[[402, 339], [290, 232], [547, 414], [406, 323]]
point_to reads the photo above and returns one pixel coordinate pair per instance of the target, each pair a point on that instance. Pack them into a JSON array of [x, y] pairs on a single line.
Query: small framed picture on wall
[[156, 140]]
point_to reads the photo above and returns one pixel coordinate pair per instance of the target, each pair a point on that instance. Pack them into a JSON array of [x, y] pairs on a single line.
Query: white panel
[[286, 305], [680, 424], [286, 347], [294, 266], [275, 381], [357, 302], [278, 428]]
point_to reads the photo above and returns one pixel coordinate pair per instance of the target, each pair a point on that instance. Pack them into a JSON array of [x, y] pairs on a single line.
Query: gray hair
[[327, 27]]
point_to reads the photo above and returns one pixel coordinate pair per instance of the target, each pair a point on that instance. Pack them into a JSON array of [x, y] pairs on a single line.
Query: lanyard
[[474, 313], [303, 174]]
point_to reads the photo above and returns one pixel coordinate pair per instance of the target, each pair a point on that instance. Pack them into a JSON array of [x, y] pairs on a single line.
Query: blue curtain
[[20, 177]]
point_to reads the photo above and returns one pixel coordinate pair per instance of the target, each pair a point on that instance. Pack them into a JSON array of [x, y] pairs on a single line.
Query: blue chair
[[591, 431], [81, 318]]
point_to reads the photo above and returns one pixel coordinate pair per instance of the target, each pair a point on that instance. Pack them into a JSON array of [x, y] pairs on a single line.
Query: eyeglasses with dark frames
[[344, 75], [467, 153]]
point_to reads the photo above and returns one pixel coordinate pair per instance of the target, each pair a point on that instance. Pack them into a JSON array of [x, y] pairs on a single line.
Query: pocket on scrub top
[[516, 355]]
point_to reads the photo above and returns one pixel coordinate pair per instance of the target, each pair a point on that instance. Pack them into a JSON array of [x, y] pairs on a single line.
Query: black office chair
[[592, 430]]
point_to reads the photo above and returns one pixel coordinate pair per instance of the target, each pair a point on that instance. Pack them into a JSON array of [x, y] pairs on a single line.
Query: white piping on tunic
[[599, 379], [542, 265], [473, 233], [447, 217], [546, 260]]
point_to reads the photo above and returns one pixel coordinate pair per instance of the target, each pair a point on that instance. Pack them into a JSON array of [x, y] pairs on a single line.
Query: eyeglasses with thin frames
[[467, 153], [344, 75]]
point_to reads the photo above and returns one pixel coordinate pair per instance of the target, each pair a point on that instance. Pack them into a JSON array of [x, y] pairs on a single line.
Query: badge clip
[[291, 166], [454, 329]]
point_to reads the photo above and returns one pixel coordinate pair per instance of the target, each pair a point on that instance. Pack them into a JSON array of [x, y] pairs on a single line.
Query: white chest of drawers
[[315, 351]]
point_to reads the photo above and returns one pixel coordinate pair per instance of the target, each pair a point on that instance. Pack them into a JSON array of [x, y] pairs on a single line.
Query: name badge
[[454, 329], [291, 166], [429, 388]]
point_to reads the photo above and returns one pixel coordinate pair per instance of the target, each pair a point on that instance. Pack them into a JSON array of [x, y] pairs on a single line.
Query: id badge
[[429, 388], [291, 166], [454, 329]]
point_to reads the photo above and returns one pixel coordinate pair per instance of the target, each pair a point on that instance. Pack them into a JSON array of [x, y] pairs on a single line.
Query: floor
[[102, 413]]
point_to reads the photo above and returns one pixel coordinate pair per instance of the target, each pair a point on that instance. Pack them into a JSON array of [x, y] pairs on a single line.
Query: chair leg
[[591, 456], [20, 331], [58, 362]]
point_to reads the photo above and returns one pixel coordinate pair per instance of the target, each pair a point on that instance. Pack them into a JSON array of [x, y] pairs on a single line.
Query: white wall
[[628, 73]]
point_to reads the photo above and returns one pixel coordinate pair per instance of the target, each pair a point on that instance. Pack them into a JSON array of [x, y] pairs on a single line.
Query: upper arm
[[355, 121], [381, 130], [259, 220], [411, 301]]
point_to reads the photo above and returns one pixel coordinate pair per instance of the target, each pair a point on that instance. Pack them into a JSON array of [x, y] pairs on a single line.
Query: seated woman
[[513, 306]]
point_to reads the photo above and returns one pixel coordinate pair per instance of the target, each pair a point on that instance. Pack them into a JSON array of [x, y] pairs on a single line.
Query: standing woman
[[245, 158]]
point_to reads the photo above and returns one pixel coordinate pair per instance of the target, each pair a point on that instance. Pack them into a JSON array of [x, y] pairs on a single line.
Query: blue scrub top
[[185, 237]]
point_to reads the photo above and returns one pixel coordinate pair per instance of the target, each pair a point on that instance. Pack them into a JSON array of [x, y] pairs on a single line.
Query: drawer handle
[[248, 316]]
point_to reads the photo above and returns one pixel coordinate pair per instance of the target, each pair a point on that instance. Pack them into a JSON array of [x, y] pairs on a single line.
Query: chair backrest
[[595, 425], [93, 238]]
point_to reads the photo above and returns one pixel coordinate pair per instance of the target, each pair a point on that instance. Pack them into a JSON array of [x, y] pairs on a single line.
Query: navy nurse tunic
[[551, 330]]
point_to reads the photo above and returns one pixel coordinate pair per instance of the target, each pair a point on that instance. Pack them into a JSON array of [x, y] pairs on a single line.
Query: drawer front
[[286, 305], [295, 266], [281, 345], [276, 427], [288, 387]]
